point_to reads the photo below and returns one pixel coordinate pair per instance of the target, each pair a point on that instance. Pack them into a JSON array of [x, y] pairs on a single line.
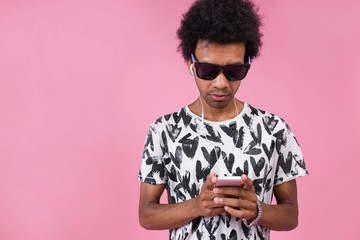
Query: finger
[[247, 183], [236, 203], [228, 191], [216, 211], [236, 192], [211, 180], [240, 213], [210, 209], [223, 201]]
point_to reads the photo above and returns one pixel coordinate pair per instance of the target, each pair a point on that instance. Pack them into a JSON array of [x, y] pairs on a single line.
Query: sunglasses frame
[[222, 67]]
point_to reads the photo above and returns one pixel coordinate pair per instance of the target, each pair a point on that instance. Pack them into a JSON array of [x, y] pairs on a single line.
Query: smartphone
[[233, 181]]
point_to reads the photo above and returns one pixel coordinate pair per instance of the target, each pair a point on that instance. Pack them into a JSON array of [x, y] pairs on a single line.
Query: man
[[218, 135]]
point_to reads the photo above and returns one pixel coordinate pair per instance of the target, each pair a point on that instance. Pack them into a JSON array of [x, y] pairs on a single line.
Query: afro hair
[[221, 22]]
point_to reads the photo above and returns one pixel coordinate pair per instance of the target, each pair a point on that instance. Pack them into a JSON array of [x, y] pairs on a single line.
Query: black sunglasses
[[232, 72]]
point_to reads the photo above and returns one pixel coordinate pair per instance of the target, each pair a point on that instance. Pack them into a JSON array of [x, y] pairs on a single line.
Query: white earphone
[[191, 70]]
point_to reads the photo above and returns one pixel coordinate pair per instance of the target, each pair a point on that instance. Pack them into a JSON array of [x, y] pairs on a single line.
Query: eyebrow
[[193, 59]]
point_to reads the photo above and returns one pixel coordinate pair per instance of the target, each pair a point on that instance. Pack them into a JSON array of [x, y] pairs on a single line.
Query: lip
[[218, 97]]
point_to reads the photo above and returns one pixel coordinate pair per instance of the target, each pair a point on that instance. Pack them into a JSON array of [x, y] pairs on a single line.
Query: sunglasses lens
[[207, 71], [235, 72]]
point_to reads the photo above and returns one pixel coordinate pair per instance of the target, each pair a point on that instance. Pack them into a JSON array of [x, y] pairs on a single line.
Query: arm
[[153, 215], [284, 215], [281, 217]]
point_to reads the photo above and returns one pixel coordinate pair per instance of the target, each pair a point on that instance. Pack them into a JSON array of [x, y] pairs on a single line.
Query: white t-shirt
[[181, 149]]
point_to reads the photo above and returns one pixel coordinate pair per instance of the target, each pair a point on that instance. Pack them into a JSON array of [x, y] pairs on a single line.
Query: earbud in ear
[[191, 69]]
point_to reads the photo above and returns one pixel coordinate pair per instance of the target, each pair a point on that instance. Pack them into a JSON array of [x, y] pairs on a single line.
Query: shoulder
[[268, 119], [176, 117], [258, 112]]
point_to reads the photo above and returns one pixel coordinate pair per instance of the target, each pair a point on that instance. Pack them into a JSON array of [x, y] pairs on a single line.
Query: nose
[[220, 82]]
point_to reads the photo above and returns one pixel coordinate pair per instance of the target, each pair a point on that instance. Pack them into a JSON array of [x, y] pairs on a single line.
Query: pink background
[[80, 82]]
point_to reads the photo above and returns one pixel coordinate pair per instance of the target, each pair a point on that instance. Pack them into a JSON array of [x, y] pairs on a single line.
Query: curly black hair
[[221, 21]]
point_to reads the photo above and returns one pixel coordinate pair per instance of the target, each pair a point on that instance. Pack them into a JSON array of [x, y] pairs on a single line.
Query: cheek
[[235, 86], [202, 85]]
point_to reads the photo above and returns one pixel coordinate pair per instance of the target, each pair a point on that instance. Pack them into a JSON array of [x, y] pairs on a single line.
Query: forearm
[[279, 217], [158, 216]]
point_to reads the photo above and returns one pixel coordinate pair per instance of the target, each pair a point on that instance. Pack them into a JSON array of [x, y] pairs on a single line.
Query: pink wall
[[80, 81]]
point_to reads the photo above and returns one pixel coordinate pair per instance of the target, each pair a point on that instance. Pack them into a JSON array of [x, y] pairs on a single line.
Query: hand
[[205, 201], [239, 201]]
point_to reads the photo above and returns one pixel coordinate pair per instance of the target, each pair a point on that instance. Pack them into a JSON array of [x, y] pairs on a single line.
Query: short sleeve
[[290, 163], [152, 168]]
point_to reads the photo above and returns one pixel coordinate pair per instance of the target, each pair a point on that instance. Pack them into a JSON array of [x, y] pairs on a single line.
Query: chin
[[219, 104]]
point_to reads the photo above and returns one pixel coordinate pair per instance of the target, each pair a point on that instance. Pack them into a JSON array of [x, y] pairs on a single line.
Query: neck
[[218, 114]]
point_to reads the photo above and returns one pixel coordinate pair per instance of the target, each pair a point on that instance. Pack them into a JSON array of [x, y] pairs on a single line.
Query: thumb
[[247, 183], [211, 180]]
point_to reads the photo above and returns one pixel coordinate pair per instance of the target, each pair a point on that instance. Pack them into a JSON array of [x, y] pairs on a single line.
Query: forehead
[[207, 51]]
